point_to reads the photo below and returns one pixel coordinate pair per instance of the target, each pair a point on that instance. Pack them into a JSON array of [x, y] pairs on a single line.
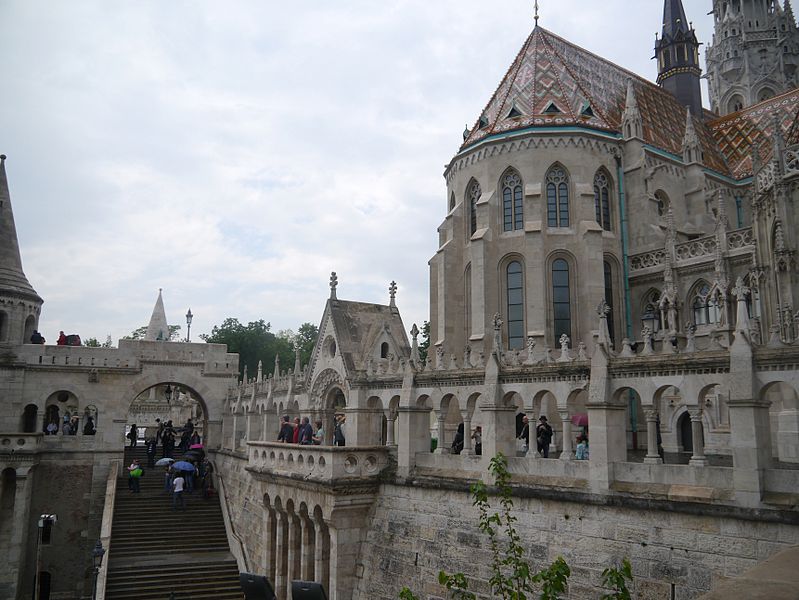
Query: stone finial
[[333, 285], [626, 349], [297, 358], [453, 363], [530, 360], [260, 376], [581, 351], [440, 358], [245, 375], [415, 357], [497, 321], [467, 357], [690, 337], [2, 157], [548, 355], [392, 293]]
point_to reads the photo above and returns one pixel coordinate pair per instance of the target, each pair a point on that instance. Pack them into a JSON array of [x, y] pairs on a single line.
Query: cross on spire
[[536, 12], [333, 285], [392, 292]]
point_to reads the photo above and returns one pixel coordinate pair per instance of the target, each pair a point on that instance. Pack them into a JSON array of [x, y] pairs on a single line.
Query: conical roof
[[12, 277], [158, 329], [554, 83]]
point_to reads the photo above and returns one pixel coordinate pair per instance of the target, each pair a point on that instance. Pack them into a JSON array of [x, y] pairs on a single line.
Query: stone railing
[[12, 443], [740, 238], [317, 463], [646, 260], [704, 246]]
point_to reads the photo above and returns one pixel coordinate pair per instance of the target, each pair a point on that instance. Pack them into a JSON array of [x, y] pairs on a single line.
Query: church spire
[[12, 277], [158, 329], [677, 52]]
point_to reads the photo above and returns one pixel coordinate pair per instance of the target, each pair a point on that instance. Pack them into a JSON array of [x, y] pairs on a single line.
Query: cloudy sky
[[234, 153]]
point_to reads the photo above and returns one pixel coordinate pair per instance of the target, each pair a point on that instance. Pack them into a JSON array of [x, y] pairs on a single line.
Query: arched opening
[[179, 408], [3, 326], [29, 418], [784, 420], [59, 405], [384, 350], [30, 326], [735, 104], [684, 431]]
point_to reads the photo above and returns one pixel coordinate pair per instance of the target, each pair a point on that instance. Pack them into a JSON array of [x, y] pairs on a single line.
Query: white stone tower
[[20, 305], [754, 53]]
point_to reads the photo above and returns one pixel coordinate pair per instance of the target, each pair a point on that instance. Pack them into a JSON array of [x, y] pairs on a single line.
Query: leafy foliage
[[138, 334], [616, 578], [255, 341], [424, 345], [93, 342]]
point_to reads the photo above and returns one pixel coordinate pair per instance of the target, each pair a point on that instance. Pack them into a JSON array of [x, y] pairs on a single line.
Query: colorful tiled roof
[[738, 134], [586, 90]]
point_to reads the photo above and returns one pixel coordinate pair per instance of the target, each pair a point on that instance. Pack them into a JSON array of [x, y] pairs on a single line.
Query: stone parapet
[[317, 463]]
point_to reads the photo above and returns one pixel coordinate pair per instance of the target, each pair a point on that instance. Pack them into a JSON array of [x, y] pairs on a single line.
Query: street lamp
[[168, 393], [650, 319], [189, 317], [97, 559]]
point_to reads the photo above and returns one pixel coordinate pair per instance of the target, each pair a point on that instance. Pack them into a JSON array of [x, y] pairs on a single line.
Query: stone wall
[[415, 532]]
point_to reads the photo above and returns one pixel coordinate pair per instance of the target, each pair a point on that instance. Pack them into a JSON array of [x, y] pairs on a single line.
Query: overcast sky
[[234, 153]]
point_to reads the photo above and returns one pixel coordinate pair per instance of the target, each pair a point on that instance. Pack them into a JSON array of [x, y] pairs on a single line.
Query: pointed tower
[[677, 52], [158, 329], [20, 305], [632, 124], [691, 148]]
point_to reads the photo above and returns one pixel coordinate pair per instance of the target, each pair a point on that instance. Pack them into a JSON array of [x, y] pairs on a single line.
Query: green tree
[[424, 345], [138, 334], [255, 341], [91, 342]]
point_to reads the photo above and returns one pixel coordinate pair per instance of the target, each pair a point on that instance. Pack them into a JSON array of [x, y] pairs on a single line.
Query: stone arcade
[[611, 253]]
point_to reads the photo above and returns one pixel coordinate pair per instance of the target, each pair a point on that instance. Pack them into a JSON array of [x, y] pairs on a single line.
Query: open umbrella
[[190, 455], [182, 465], [580, 419], [196, 447], [164, 462]]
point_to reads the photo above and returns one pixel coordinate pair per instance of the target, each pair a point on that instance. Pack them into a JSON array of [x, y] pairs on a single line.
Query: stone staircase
[[156, 552]]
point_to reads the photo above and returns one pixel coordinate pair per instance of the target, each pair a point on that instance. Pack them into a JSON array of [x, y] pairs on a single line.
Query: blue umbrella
[[182, 465]]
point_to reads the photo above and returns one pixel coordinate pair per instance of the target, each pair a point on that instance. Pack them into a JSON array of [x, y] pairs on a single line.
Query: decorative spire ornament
[[536, 13], [392, 293], [333, 285]]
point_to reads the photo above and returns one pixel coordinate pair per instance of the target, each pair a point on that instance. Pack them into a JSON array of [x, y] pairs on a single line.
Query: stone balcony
[[323, 464]]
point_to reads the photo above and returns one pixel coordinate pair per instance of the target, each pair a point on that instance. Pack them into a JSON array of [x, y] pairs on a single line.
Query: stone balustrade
[[12, 443], [317, 463]]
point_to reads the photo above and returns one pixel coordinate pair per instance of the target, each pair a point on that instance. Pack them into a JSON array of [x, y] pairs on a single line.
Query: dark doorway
[[519, 423], [29, 419], [44, 586], [684, 429]]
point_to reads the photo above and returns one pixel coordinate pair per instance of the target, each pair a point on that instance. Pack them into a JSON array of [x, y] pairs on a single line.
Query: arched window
[[467, 301], [735, 104], [705, 309], [473, 195], [30, 325], [561, 299], [451, 202], [602, 199], [557, 197], [384, 350], [651, 309], [662, 203], [512, 202], [609, 299], [515, 289]]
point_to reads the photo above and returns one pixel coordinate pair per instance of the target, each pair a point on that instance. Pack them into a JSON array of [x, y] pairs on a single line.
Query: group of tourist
[[179, 482], [70, 426], [166, 434], [300, 431], [477, 443]]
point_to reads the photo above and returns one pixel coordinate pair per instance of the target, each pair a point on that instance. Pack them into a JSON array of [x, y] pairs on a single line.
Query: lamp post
[[168, 393], [97, 560], [650, 319], [189, 317]]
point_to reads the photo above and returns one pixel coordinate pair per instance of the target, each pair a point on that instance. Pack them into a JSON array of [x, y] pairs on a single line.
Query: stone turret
[[158, 329], [20, 305]]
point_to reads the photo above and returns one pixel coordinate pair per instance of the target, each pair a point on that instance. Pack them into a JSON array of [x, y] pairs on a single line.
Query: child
[[582, 448]]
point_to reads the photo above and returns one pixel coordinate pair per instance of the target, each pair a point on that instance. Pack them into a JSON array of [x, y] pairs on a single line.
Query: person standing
[[133, 435], [319, 436], [477, 436], [177, 492], [151, 445], [524, 434], [543, 436], [159, 431], [339, 438], [134, 473], [306, 432], [295, 434], [88, 428], [581, 453]]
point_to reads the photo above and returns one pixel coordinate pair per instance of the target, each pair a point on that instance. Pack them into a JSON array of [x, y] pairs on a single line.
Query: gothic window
[[512, 201], [384, 350], [557, 197], [609, 298], [561, 299], [705, 308], [662, 203], [473, 195], [651, 308], [3, 326], [452, 202], [753, 300], [765, 94], [735, 104], [515, 289], [602, 199]]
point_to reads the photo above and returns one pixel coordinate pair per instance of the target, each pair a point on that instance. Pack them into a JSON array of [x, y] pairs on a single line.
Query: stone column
[[468, 449], [442, 447], [698, 459], [21, 521], [269, 543], [652, 456], [280, 554], [413, 434], [568, 451], [498, 430], [234, 442], [306, 549], [321, 555], [293, 554], [390, 430]]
